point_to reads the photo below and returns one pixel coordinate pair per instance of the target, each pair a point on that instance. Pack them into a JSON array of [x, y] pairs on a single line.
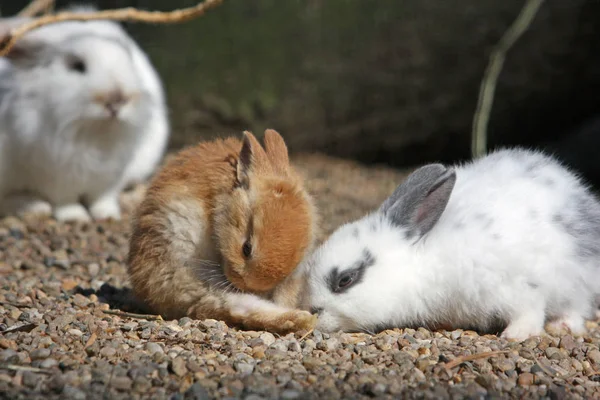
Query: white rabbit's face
[[98, 80], [83, 79], [354, 275]]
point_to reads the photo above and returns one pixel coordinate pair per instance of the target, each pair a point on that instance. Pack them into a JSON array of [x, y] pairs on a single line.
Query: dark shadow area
[[117, 298]]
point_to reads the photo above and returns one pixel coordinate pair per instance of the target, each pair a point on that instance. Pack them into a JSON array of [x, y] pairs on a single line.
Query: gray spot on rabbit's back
[[355, 232], [533, 285], [459, 225], [548, 182], [581, 220], [485, 220], [373, 226], [533, 214]]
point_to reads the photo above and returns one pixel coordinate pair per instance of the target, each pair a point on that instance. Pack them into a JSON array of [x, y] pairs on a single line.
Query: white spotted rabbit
[[511, 239], [82, 115]]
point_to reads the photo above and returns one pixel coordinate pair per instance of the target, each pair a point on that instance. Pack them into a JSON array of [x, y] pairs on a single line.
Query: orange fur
[[199, 211]]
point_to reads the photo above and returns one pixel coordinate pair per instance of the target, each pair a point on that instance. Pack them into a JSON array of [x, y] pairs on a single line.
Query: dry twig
[[123, 14], [148, 317], [459, 360], [24, 368], [306, 334], [28, 327], [91, 340], [36, 7], [492, 72]]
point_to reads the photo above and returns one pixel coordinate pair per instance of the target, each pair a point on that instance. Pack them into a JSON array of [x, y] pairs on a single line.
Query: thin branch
[[12, 367], [123, 14], [28, 327], [148, 317], [492, 72], [306, 335], [459, 360], [36, 7]]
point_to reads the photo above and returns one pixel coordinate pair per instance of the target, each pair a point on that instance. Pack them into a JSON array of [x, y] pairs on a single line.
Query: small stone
[[267, 338], [294, 346], [505, 364], [80, 300], [129, 326], [123, 383], [568, 343], [68, 285], [153, 348], [526, 379], [93, 269], [275, 355], [75, 332], [196, 392], [554, 353], [39, 354], [178, 366], [290, 394], [594, 356], [108, 352], [48, 363], [30, 379], [311, 362], [70, 392], [244, 368]]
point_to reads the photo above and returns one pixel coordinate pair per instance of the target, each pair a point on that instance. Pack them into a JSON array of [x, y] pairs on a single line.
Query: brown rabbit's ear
[[277, 151], [252, 157]]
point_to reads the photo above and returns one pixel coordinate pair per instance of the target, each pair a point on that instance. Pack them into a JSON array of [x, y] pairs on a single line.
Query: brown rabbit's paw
[[289, 321]]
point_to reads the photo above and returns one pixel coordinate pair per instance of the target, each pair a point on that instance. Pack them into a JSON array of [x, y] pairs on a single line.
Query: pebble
[[244, 368], [48, 363], [153, 348], [39, 354], [526, 379], [267, 338], [568, 343], [108, 352], [178, 366], [594, 356]]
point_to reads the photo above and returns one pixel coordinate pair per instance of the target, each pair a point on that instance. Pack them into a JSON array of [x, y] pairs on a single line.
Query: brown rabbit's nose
[[114, 101]]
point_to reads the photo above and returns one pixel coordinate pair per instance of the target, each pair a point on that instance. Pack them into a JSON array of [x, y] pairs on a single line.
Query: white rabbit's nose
[[113, 101]]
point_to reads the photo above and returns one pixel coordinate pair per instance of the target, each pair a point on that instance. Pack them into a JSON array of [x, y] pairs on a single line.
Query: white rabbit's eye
[[346, 279], [76, 64]]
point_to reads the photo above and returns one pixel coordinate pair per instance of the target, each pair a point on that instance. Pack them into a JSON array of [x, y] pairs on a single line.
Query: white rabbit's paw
[[71, 213], [107, 208], [26, 206], [522, 329], [571, 323]]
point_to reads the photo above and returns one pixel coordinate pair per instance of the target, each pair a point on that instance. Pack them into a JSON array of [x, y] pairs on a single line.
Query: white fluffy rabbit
[[82, 115], [511, 239]]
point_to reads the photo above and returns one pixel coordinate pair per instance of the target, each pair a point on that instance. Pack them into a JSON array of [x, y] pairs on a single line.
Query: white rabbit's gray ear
[[418, 203], [28, 49]]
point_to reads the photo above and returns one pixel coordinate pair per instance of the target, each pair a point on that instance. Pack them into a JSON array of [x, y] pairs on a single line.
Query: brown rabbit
[[220, 233]]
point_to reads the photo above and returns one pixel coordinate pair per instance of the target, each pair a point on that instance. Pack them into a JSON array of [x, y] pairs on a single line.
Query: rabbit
[[220, 232], [509, 240], [82, 116]]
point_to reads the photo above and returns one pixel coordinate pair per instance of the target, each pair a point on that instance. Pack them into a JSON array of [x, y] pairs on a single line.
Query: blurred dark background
[[385, 81]]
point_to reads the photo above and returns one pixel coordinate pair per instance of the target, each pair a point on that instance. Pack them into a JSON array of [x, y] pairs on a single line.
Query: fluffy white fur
[[517, 242], [62, 151]]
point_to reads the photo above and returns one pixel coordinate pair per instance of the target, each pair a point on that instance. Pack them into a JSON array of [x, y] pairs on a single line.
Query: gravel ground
[[60, 338]]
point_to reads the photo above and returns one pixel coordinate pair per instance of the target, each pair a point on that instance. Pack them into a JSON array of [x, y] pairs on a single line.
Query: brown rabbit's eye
[[247, 249]]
